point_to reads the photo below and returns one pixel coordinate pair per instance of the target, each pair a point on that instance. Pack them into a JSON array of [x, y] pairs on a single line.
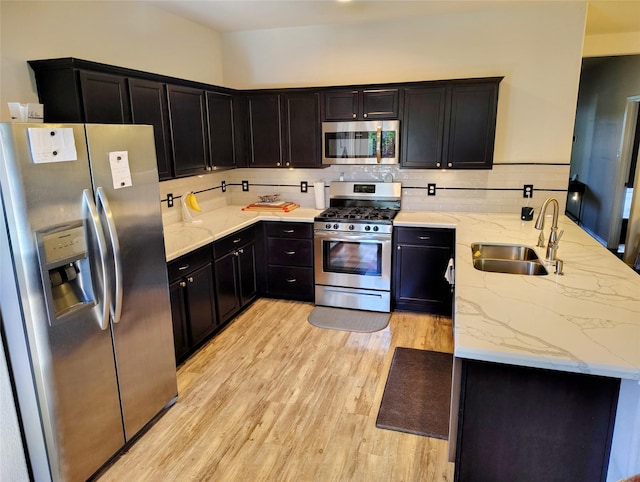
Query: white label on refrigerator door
[[52, 144], [120, 172]]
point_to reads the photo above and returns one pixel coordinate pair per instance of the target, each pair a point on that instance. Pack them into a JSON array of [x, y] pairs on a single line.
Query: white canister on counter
[[318, 190]]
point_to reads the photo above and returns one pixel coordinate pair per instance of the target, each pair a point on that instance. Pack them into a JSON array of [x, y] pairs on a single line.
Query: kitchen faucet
[[554, 237]]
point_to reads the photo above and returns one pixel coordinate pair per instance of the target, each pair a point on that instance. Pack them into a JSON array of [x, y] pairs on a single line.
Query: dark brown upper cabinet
[[149, 106], [188, 117], [221, 129], [361, 104], [449, 125], [284, 130], [104, 98]]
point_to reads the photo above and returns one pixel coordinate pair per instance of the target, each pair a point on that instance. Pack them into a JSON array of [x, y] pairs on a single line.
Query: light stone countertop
[[181, 238], [586, 321]]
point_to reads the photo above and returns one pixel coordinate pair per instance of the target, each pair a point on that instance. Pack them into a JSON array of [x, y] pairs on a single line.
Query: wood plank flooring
[[272, 398]]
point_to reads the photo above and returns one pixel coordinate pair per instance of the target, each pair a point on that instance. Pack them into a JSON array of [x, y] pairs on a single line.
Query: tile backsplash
[[497, 190]]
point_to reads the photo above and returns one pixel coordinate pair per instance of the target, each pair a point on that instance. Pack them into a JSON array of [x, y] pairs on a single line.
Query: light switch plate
[[527, 191]]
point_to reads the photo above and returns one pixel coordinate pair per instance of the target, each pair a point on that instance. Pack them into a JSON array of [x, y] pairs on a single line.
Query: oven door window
[[348, 257]]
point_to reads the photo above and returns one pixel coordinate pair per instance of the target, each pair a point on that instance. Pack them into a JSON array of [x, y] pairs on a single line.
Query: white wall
[[536, 47], [127, 34]]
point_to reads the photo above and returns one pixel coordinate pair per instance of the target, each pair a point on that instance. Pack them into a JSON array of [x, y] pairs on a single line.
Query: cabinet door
[[472, 126], [104, 98], [201, 303], [149, 106], [423, 127], [341, 105], [247, 273], [187, 114], [227, 297], [302, 130], [264, 131], [220, 111], [423, 289], [179, 318], [380, 104]]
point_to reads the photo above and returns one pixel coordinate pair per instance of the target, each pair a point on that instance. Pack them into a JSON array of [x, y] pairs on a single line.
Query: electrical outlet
[[223, 185], [170, 200], [527, 191], [245, 186], [303, 186], [431, 189]]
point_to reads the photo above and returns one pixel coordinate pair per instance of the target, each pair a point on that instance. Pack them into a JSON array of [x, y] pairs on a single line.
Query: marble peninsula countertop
[[585, 321]]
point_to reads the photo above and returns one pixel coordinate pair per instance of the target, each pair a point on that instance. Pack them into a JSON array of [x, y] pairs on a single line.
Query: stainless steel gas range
[[352, 245]]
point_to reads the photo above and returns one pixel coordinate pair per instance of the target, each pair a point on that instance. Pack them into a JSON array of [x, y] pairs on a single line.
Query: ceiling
[[603, 17]]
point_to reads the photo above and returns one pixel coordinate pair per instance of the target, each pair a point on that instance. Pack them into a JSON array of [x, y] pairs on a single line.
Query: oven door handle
[[343, 236]]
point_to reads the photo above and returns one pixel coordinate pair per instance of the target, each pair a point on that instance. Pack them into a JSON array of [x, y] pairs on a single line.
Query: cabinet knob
[[190, 279], [354, 115], [437, 164], [182, 284], [241, 250], [398, 248], [277, 163], [365, 115], [449, 165], [288, 163]]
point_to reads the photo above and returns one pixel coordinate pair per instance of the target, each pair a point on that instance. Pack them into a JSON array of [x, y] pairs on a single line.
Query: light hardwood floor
[[272, 398]]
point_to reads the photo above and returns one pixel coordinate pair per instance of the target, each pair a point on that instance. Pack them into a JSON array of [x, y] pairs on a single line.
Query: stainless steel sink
[[504, 251], [507, 258], [510, 266]]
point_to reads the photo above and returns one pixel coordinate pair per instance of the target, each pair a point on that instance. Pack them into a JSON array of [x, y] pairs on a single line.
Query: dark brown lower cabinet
[[192, 300], [526, 424], [420, 259], [235, 273]]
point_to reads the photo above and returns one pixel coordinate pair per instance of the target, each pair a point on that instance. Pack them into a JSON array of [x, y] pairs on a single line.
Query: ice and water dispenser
[[65, 271]]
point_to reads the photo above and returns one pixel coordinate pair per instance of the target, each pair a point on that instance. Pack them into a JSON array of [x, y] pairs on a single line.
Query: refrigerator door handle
[[102, 251], [116, 308]]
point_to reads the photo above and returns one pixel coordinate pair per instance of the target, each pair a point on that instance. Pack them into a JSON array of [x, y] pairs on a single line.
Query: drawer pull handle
[[288, 231], [290, 280], [236, 241], [182, 268], [290, 252], [424, 238]]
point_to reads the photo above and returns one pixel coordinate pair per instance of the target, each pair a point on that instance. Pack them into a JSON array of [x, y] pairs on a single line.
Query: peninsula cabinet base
[[526, 424]]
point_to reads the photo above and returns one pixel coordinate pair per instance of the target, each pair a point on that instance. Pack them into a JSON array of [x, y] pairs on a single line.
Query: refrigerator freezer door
[[74, 379], [143, 337]]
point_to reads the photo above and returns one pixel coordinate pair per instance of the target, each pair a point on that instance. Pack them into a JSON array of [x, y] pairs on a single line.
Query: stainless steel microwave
[[360, 142]]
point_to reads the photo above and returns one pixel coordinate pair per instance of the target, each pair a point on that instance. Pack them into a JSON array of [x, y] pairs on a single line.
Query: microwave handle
[[379, 144]]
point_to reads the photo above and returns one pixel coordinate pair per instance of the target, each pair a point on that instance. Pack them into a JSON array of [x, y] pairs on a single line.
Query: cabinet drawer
[[293, 283], [290, 252], [290, 230], [425, 236], [188, 263], [233, 241]]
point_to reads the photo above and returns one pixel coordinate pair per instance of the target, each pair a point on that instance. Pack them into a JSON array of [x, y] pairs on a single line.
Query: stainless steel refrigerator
[[84, 294]]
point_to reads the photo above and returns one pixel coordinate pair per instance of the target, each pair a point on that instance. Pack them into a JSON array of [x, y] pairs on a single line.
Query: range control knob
[[375, 228], [335, 226], [351, 227], [327, 226], [367, 228]]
